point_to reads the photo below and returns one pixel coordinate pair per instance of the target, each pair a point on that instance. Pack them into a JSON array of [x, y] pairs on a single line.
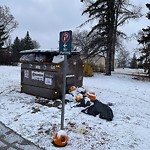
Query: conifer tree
[[22, 45], [144, 40], [16, 48], [28, 43], [103, 11], [107, 16], [25, 43], [133, 63]]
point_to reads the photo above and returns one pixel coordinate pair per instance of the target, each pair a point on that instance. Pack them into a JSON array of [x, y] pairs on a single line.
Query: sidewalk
[[10, 140]]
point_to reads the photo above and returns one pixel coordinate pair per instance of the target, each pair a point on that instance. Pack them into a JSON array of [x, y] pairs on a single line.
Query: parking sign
[[65, 42]]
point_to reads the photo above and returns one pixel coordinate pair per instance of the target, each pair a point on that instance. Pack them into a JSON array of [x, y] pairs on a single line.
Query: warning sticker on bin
[[48, 81], [26, 73]]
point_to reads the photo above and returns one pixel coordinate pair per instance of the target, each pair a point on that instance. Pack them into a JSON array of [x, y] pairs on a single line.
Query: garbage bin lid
[[53, 51], [40, 51]]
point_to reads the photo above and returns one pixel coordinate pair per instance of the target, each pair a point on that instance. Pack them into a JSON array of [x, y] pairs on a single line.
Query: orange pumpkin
[[91, 96], [72, 88], [60, 141], [79, 97]]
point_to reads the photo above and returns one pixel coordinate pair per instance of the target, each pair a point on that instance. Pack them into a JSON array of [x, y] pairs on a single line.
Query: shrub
[[98, 68], [87, 70]]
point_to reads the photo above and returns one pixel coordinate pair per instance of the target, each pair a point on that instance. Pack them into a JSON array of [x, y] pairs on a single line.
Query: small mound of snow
[[69, 97], [61, 133]]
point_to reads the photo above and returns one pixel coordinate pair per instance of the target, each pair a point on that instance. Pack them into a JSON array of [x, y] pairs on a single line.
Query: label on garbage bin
[[37, 75], [26, 73], [48, 81]]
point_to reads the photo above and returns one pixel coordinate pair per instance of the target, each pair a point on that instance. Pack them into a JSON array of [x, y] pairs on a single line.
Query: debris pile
[[87, 99], [83, 98]]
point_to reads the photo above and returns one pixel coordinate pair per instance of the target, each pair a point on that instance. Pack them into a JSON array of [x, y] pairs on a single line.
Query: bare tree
[[8, 43], [7, 19], [36, 44], [123, 58], [80, 40]]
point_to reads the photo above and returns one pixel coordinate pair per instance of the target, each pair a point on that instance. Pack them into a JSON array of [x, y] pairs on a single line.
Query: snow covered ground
[[129, 130]]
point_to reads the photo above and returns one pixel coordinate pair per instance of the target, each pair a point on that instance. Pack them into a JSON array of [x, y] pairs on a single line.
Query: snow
[[61, 133], [39, 50], [129, 129]]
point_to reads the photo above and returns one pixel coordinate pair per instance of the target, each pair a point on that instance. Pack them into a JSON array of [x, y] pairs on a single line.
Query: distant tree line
[[104, 38], [9, 52], [25, 43], [10, 55]]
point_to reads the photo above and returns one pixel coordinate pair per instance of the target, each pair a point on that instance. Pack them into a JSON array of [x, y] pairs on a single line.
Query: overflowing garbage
[[36, 57], [42, 72], [87, 99]]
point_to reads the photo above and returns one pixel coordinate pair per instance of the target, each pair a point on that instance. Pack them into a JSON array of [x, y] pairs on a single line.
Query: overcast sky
[[44, 19]]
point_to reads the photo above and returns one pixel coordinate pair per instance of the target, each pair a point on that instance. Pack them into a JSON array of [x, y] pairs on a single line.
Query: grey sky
[[44, 19]]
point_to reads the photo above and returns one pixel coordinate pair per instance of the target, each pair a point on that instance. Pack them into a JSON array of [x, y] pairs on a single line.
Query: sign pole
[[63, 92], [65, 42]]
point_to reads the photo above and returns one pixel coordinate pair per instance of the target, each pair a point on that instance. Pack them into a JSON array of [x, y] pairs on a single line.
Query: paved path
[[10, 140]]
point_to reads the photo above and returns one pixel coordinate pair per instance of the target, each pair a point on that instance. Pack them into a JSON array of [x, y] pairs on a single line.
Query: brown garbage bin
[[42, 72]]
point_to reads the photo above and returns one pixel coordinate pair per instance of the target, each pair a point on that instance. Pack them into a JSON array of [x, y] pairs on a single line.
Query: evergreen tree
[[108, 15], [103, 11], [3, 36], [144, 40], [16, 48], [22, 45], [133, 63], [28, 43]]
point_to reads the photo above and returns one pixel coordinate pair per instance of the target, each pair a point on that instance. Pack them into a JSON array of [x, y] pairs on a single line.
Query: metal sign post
[[63, 92], [64, 49]]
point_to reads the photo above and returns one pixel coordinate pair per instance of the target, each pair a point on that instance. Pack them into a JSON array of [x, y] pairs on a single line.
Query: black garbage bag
[[98, 108], [83, 103]]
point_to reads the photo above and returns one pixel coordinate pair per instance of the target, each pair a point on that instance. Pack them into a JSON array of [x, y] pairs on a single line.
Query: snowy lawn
[[130, 128]]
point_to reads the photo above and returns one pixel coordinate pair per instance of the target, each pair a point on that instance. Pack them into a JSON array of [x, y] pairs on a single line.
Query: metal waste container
[[42, 72]]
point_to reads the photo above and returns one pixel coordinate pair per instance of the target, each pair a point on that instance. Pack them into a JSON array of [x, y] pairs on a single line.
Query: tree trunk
[[108, 63], [114, 38], [149, 73], [112, 61], [110, 17]]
